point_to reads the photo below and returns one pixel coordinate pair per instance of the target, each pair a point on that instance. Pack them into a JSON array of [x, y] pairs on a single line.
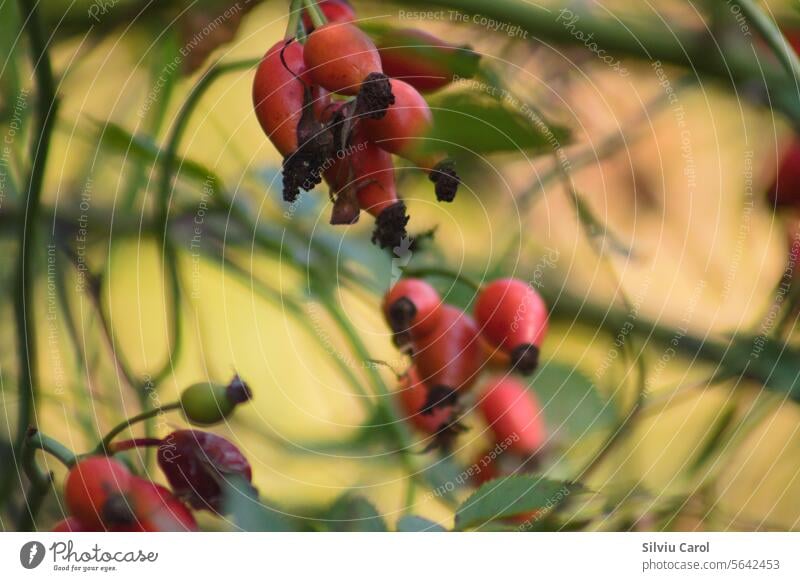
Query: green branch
[[46, 112]]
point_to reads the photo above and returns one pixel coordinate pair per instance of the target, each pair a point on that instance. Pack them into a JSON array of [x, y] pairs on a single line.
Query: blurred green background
[[673, 194]]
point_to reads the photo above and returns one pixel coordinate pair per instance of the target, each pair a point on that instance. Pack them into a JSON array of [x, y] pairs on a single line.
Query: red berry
[[785, 190], [413, 396], [70, 524], [334, 11], [339, 57], [368, 170], [405, 124], [156, 509], [93, 486], [513, 317], [449, 357], [422, 60], [411, 308], [197, 464], [278, 94], [513, 415]]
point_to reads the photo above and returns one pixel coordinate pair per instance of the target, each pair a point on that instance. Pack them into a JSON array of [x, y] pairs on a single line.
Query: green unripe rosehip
[[206, 403]]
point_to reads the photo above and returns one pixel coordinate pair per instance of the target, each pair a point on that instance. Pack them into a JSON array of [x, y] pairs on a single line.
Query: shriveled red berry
[[785, 190], [420, 59], [411, 308], [368, 170], [70, 524], [197, 465], [513, 415], [92, 487], [334, 11], [513, 317], [449, 357]]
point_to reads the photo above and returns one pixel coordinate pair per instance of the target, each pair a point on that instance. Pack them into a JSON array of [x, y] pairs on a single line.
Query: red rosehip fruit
[[513, 317], [342, 59], [413, 397], [153, 508], [334, 11], [449, 357], [198, 464], [785, 190], [405, 124], [339, 57], [513, 415], [278, 94], [411, 308], [93, 486], [423, 60]]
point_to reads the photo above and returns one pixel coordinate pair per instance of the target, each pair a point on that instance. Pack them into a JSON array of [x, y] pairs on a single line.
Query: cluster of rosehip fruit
[[337, 107], [450, 350], [103, 494]]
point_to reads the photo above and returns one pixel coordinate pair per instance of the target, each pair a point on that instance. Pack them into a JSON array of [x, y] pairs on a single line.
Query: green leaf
[[570, 401], [116, 138], [511, 496], [353, 513], [471, 121], [417, 524], [461, 61], [250, 513]]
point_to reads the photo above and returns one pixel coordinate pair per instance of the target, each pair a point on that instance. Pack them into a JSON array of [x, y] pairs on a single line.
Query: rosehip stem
[[134, 443], [38, 441], [105, 446], [295, 13], [40, 480], [316, 14]]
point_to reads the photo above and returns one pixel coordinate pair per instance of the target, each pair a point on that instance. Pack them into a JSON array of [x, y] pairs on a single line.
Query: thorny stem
[[46, 113], [105, 445]]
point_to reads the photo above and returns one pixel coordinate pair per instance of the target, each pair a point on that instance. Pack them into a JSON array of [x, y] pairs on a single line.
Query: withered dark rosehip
[[197, 465]]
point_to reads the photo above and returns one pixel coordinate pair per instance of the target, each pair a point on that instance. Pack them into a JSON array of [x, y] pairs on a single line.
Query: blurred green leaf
[[511, 496], [484, 124], [570, 400], [116, 138], [417, 524], [461, 61], [353, 513], [251, 514]]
